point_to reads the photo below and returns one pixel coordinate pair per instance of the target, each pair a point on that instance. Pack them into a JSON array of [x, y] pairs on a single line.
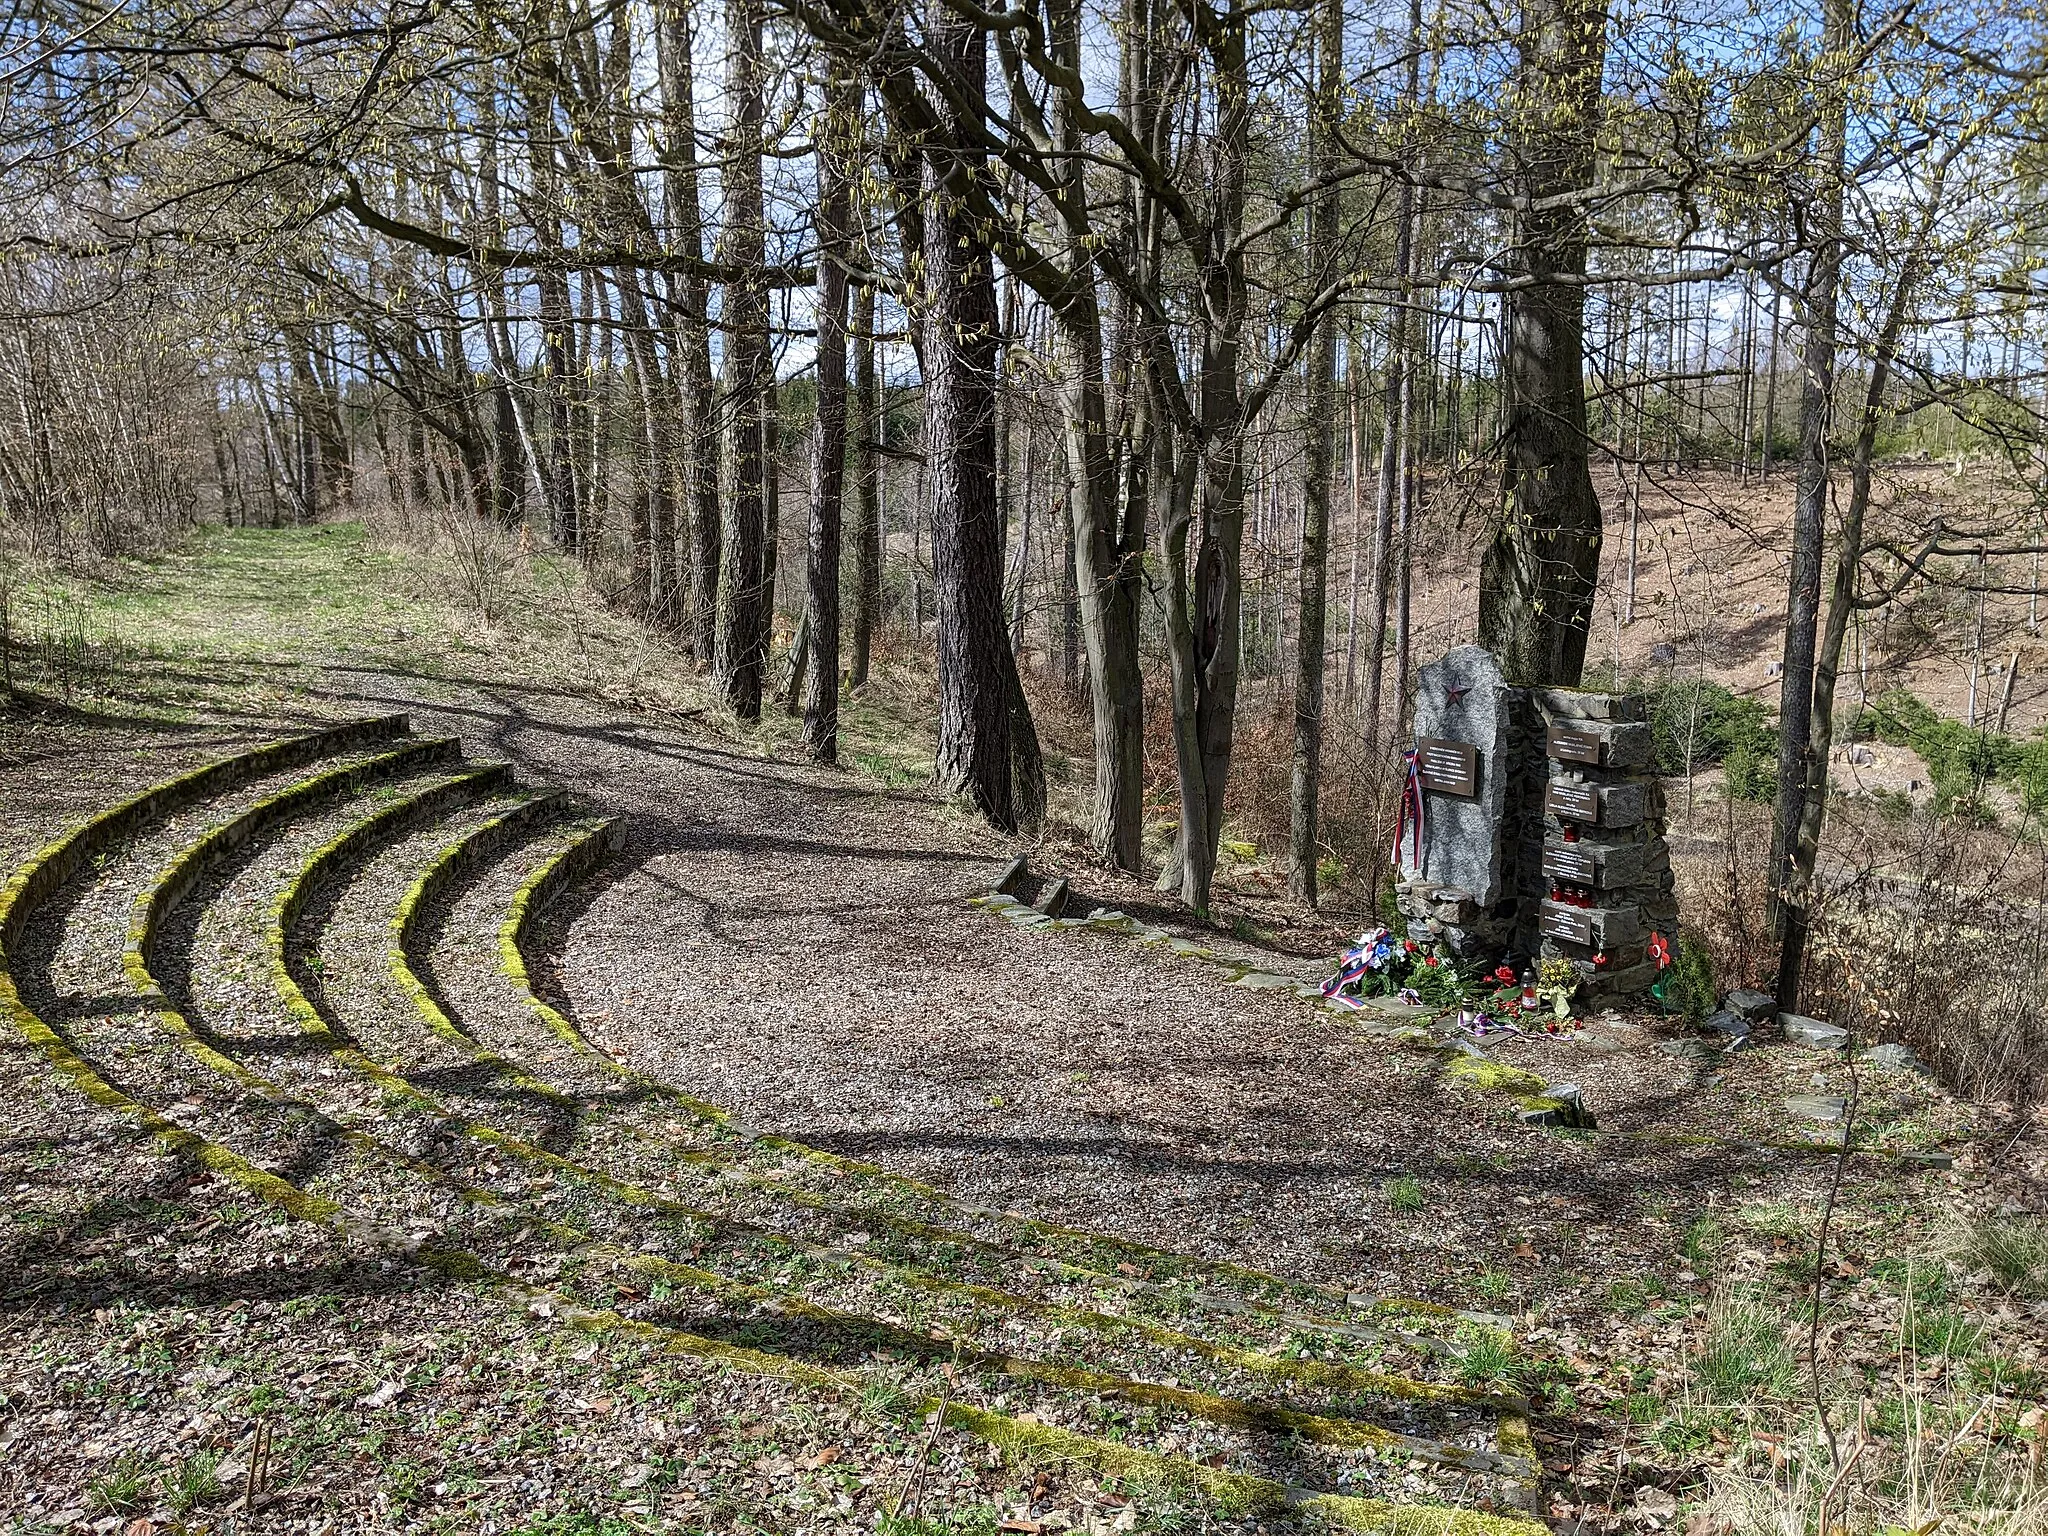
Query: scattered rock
[[1753, 1005], [383, 1397], [1897, 1056], [1698, 1052], [1559, 1105], [1814, 1034], [1861, 757], [1816, 1106], [1663, 654], [1264, 981], [1730, 1025], [1054, 902]]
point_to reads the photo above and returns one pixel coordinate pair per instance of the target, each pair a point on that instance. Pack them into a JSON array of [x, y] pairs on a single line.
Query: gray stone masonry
[[1486, 877]]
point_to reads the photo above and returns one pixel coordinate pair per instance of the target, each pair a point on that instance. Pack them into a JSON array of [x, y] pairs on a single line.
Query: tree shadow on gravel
[[497, 732], [122, 1286]]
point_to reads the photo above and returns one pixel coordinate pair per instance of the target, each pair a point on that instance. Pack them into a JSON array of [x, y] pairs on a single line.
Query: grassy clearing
[[306, 621]]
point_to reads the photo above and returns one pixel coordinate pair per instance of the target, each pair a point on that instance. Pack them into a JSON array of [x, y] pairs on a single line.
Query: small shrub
[[1687, 986], [1695, 724], [1690, 1430], [1488, 1355]]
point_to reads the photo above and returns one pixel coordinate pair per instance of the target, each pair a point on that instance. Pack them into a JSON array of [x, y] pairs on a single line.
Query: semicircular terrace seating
[[425, 1099]]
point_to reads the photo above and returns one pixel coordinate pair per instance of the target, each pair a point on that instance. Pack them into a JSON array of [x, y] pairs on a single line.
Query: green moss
[[1494, 1077]]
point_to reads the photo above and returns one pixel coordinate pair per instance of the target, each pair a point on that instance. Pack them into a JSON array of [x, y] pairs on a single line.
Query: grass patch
[[1488, 1355], [192, 1482], [1772, 1218], [1701, 1244], [1744, 1354], [2013, 1250], [1942, 1331], [1405, 1193], [119, 1489]]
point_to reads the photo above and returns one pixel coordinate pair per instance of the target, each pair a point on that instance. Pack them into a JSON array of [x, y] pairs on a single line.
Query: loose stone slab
[[1816, 1106], [1814, 1034], [1729, 1024], [1752, 1005]]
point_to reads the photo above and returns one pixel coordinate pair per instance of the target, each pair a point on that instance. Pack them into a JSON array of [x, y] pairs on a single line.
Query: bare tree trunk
[[1106, 557], [743, 632], [1321, 409], [865, 428], [1809, 522], [835, 153], [1208, 662], [1536, 579]]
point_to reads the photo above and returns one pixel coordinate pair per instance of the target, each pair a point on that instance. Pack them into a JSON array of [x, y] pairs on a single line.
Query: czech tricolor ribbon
[[1411, 809]]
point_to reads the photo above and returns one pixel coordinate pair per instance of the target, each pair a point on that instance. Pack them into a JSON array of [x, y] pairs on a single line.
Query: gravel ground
[[787, 942], [796, 945]]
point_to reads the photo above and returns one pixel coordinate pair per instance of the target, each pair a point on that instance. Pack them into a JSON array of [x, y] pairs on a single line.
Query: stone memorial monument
[[1534, 826]]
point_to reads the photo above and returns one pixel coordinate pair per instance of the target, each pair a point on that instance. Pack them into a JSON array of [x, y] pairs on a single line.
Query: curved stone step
[[1511, 1455], [472, 845], [1093, 1260], [995, 1427]]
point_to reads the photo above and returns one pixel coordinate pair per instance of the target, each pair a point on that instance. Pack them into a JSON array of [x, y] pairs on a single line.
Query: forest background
[[1144, 391]]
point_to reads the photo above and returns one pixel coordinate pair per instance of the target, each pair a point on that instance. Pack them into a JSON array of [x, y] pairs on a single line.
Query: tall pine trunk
[[828, 436], [743, 630], [1536, 578], [978, 686]]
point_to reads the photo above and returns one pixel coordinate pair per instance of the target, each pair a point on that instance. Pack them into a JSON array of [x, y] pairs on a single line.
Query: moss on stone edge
[[585, 850], [476, 844], [1013, 1437]]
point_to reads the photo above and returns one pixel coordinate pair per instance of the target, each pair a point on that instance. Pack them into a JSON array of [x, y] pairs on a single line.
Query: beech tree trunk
[[1321, 406], [865, 428]]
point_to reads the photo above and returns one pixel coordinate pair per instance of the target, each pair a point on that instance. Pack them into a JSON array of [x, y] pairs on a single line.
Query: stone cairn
[[1543, 827]]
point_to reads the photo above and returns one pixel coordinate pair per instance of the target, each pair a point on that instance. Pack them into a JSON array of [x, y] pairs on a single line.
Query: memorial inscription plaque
[[1572, 802], [1449, 767], [1572, 924], [1570, 746], [1571, 864]]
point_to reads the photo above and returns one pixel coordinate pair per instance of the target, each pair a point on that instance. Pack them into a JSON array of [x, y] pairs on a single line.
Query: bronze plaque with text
[[1573, 924], [1572, 802], [1449, 767], [1561, 861], [1569, 746]]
